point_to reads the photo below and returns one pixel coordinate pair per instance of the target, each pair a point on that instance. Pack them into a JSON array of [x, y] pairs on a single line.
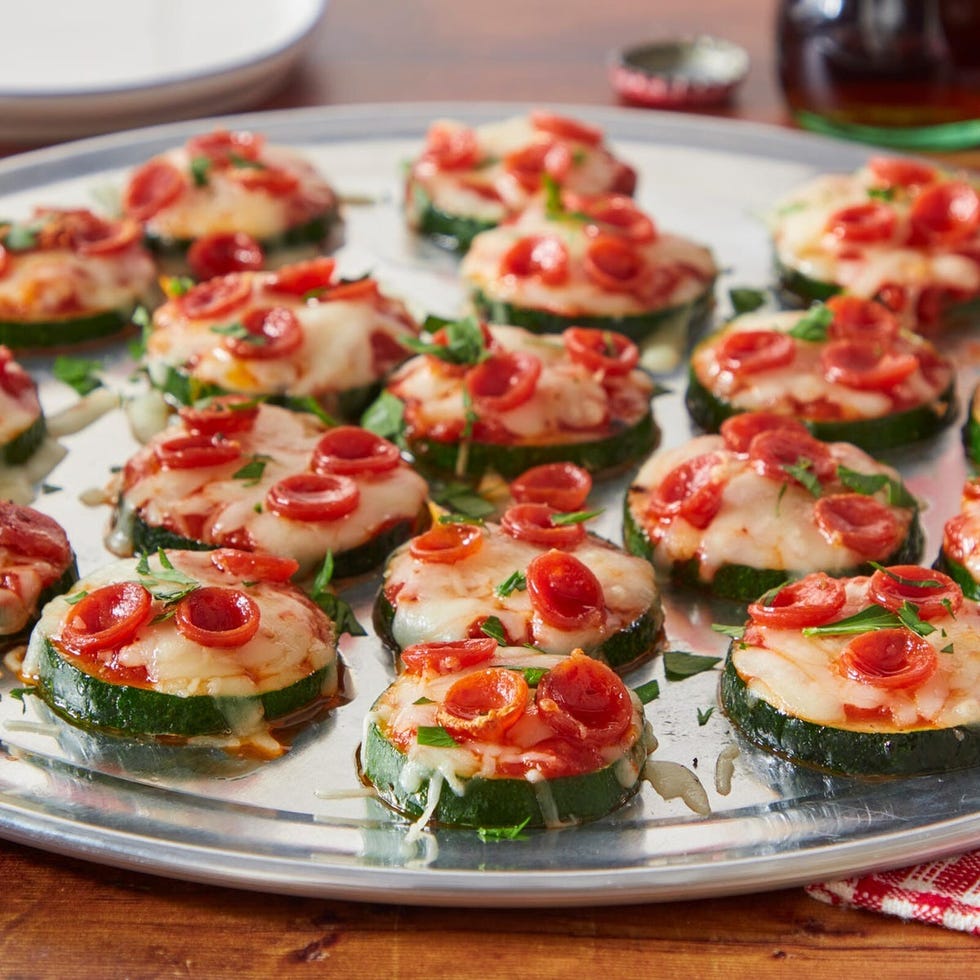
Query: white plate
[[72, 69], [282, 826]]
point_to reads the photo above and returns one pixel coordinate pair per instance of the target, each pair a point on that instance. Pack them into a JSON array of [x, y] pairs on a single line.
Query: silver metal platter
[[301, 824]]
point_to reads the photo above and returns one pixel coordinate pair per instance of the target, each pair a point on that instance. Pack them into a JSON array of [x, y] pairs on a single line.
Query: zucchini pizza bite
[[503, 399], [599, 262], [185, 644], [36, 564], [536, 578], [846, 369], [870, 676], [69, 276], [227, 182], [904, 232], [741, 512], [22, 425], [473, 735], [294, 335], [959, 555], [971, 428], [238, 474], [468, 179]]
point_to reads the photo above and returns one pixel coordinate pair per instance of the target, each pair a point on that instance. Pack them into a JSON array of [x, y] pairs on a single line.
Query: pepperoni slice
[[352, 450], [858, 522], [16, 381], [866, 223], [223, 146], [91, 235], [564, 591], [4, 260], [534, 523], [544, 257], [28, 532], [772, 451], [223, 252], [154, 186], [531, 163], [446, 544], [861, 320], [196, 450], [252, 565], [810, 601], [216, 297], [303, 278], [448, 657], [350, 292], [106, 618], [738, 431], [893, 659], [214, 616], [691, 490], [946, 213], [563, 486], [752, 351], [484, 704], [602, 351], [933, 593], [452, 147], [899, 172], [271, 332], [864, 366], [585, 700], [614, 214], [565, 128], [266, 179], [614, 264], [223, 413], [313, 497], [960, 537], [504, 381]]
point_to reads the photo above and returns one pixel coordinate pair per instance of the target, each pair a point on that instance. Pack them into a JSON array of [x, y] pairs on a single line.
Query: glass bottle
[[900, 73]]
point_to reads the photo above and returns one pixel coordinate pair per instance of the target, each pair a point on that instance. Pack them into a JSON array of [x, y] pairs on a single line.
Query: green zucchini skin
[[855, 753], [147, 538], [129, 710], [65, 331], [743, 583], [453, 232], [874, 434], [496, 802], [971, 429], [597, 456], [625, 649], [24, 444], [959, 574], [638, 327]]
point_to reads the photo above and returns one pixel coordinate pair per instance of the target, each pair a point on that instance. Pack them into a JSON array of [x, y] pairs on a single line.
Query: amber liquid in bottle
[[902, 73]]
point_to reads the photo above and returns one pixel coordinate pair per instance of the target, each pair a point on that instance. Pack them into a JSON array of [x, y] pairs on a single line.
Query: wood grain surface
[[62, 917]]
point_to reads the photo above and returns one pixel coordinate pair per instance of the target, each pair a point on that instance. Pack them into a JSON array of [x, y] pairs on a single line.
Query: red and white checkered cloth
[[942, 893]]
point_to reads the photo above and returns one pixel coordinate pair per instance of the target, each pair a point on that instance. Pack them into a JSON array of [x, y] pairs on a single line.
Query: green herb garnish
[[503, 833], [745, 300], [20, 238], [648, 692], [423, 700], [168, 584], [679, 664], [515, 582], [239, 332], [336, 608], [78, 373], [464, 343], [870, 483], [813, 324], [494, 628], [435, 735], [802, 472], [574, 517], [75, 598], [704, 714], [252, 471], [385, 416], [200, 168], [734, 632], [881, 193]]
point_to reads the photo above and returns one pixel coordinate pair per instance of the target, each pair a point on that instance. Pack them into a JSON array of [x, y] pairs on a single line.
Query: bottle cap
[[679, 74]]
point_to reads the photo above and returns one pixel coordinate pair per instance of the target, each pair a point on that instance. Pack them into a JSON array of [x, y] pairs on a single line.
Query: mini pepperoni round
[[775, 453], [863, 366], [900, 172], [303, 278], [223, 413], [451, 147], [26, 531], [504, 381], [565, 128], [614, 265], [692, 490], [563, 486], [313, 497], [531, 163], [810, 601], [216, 297], [274, 181], [448, 657], [534, 523], [752, 351], [221, 253], [96, 237], [858, 522], [946, 213], [893, 659], [616, 214], [933, 593], [866, 223], [564, 591], [484, 704], [106, 618], [254, 565], [352, 450], [961, 537], [196, 450], [585, 700], [154, 186], [268, 332], [223, 146], [861, 320], [544, 257], [738, 431], [215, 616], [446, 544], [602, 351]]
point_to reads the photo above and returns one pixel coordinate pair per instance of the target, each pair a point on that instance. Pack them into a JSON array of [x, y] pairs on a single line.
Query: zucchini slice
[[454, 232], [24, 444], [65, 331]]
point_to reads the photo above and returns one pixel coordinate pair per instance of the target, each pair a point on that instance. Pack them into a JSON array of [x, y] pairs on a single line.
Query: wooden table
[[63, 917]]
